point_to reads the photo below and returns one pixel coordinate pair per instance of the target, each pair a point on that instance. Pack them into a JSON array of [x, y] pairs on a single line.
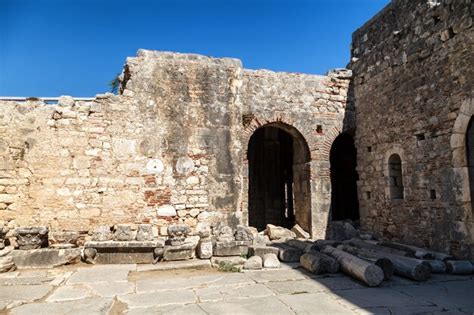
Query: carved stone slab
[[31, 237]]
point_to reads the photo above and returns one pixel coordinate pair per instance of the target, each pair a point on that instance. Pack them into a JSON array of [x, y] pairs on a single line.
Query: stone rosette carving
[[31, 237], [102, 234], [144, 232], [177, 234], [123, 232]]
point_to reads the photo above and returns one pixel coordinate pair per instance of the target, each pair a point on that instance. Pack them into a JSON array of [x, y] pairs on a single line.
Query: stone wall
[[312, 109], [170, 148], [413, 68]]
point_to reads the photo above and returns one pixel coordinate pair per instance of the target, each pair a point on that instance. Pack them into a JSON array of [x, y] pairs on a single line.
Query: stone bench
[[123, 252]]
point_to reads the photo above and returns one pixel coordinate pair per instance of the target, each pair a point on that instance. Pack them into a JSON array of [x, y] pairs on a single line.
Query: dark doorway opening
[[470, 158], [279, 178], [343, 158]]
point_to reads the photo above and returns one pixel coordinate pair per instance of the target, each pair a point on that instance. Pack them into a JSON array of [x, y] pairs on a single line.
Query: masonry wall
[[170, 148], [309, 107], [413, 67]]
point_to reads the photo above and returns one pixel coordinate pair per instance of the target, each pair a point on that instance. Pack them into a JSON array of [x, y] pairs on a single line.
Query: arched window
[[395, 177]]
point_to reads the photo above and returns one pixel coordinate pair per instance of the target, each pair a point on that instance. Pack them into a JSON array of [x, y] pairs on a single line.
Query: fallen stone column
[[319, 263], [375, 247], [459, 267], [384, 263], [356, 267], [418, 252], [404, 266], [437, 266]]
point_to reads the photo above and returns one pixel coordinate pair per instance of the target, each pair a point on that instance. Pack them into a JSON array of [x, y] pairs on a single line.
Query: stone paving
[[147, 289]]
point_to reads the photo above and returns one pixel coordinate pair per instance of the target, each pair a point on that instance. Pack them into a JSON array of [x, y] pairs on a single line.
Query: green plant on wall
[[114, 84]]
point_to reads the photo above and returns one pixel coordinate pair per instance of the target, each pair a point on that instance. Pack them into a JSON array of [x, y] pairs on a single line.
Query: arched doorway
[[343, 158], [279, 178]]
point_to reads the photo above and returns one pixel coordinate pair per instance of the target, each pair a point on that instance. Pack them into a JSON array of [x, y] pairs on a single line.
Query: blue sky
[[75, 47]]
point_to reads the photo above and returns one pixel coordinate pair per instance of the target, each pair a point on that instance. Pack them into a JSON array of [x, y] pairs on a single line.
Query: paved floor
[[119, 289]]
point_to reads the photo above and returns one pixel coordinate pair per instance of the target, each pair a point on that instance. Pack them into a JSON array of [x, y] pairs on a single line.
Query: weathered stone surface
[[80, 307], [256, 250], [144, 232], [179, 252], [64, 238], [204, 249], [431, 143], [123, 252], [253, 263], [298, 230], [145, 155], [288, 253], [261, 240], [243, 233], [45, 257], [5, 251], [123, 232], [166, 211], [24, 293], [231, 248], [265, 305], [3, 233], [158, 298], [109, 273], [7, 264], [68, 293], [271, 261], [225, 234], [102, 234], [178, 233], [231, 260], [278, 232], [31, 238]]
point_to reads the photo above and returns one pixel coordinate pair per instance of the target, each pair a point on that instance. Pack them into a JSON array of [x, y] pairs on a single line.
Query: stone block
[[166, 211], [231, 248], [278, 232], [45, 257], [32, 237], [256, 250], [123, 232], [253, 263], [7, 264], [271, 261], [64, 238], [177, 234], [228, 260], [102, 234], [144, 232], [204, 250], [179, 252], [298, 230], [123, 252], [243, 233], [225, 234]]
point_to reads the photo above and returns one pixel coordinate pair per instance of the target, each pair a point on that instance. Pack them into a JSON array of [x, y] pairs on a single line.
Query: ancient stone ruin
[[198, 157]]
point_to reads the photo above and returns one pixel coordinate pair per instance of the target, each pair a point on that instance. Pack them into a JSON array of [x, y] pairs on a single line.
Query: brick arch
[[301, 166], [331, 135], [278, 121]]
